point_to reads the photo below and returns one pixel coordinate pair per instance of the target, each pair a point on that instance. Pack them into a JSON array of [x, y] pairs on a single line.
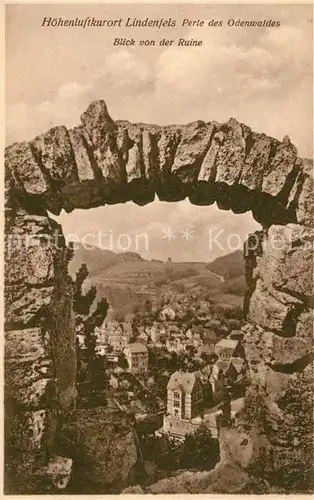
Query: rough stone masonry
[[106, 162]]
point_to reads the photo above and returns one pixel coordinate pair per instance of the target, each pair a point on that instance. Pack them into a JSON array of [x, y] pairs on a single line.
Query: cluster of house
[[179, 309], [162, 333], [186, 407], [186, 392], [171, 337], [113, 336], [191, 340], [154, 334], [117, 336]]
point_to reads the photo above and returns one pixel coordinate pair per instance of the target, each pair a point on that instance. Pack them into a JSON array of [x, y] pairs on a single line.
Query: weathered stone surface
[[208, 170], [133, 164], [29, 249], [305, 208], [169, 187], [101, 161], [29, 431], [87, 189], [50, 478], [263, 428], [275, 349], [278, 384], [37, 347], [257, 161], [55, 151], [226, 478], [102, 133], [168, 142], [280, 167], [24, 168], [22, 311], [79, 145], [287, 262], [61, 325], [57, 472], [102, 445], [194, 144], [9, 202], [304, 328], [130, 144], [231, 154], [150, 160], [97, 120], [282, 279], [106, 157], [29, 366], [270, 309], [123, 143]]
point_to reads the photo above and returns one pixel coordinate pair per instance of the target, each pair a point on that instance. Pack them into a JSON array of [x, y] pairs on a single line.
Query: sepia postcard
[[158, 237]]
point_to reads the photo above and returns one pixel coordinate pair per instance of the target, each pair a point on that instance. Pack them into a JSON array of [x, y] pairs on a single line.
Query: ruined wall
[[40, 358], [273, 436], [105, 162]]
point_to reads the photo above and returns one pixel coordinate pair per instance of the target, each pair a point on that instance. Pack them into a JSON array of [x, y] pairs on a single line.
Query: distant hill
[[127, 279], [98, 260], [229, 266]]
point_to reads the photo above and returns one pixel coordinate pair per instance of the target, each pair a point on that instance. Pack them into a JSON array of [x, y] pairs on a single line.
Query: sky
[[260, 76]]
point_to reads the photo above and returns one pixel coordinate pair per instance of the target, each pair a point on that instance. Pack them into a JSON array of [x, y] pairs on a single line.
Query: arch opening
[[103, 163]]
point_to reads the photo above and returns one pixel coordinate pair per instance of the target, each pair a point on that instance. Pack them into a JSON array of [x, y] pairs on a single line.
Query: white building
[[137, 357], [226, 348], [167, 313], [184, 405]]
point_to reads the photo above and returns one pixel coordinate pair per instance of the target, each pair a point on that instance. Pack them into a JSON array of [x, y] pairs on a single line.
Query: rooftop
[[228, 343], [220, 366], [137, 347], [237, 363], [183, 381]]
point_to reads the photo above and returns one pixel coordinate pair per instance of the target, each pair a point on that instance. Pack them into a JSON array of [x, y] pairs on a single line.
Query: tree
[[152, 357], [88, 316], [165, 450], [209, 356], [122, 361], [200, 450]]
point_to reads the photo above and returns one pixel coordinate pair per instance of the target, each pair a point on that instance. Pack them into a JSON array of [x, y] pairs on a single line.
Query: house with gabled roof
[[184, 395], [114, 334], [225, 372], [226, 348], [184, 404], [236, 369], [137, 357]]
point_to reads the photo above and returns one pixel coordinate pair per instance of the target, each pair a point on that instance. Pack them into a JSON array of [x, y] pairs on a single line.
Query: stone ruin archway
[[105, 162]]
